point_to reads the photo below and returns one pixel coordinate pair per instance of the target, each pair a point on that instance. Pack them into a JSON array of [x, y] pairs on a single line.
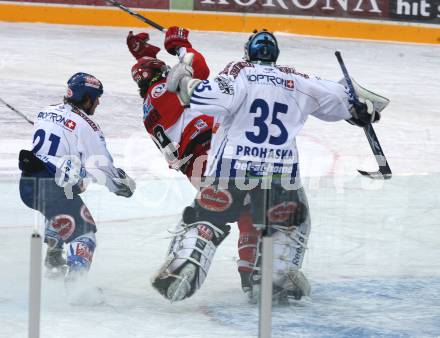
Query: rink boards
[[342, 27]]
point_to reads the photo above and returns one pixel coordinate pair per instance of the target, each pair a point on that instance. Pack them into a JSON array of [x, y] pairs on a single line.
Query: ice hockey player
[[183, 135], [66, 132], [261, 107]]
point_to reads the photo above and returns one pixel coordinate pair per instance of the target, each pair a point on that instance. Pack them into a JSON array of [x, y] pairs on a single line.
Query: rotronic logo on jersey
[[272, 80], [158, 90], [58, 119]]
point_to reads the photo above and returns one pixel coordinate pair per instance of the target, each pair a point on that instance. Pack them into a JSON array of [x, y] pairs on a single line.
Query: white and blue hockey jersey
[[261, 109], [65, 132]]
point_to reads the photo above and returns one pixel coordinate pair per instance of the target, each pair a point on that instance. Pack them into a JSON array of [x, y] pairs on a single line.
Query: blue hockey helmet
[[262, 46], [81, 84]]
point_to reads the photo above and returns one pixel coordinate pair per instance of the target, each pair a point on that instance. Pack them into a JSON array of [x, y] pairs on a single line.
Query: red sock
[[247, 242]]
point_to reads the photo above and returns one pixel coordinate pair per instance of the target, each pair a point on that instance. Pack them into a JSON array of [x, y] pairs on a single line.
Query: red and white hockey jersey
[[180, 133]]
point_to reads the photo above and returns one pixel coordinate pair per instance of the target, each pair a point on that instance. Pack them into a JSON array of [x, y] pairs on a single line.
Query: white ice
[[374, 251]]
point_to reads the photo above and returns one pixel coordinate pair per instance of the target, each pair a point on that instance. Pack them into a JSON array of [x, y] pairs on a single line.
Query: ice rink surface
[[374, 251]]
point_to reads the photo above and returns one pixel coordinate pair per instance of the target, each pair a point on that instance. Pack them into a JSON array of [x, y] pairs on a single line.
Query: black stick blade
[[376, 175]]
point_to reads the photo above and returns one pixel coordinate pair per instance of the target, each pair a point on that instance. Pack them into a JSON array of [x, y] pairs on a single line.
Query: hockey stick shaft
[[16, 111], [137, 15], [384, 168], [377, 149], [347, 77]]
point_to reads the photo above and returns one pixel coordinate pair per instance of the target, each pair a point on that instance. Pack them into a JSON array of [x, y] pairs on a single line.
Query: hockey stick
[[137, 15], [384, 171], [16, 111]]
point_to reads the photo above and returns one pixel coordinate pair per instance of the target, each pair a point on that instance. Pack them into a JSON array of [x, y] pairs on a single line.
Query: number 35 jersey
[[261, 109], [62, 130]]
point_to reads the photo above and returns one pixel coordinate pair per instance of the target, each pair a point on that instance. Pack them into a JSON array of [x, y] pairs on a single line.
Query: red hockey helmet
[[148, 69]]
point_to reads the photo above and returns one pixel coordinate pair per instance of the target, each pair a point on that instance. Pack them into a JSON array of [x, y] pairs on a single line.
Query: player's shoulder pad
[[233, 68], [84, 116], [291, 70]]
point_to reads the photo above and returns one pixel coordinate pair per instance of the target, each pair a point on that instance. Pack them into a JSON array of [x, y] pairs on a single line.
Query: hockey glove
[[125, 184], [175, 38], [139, 47], [180, 81], [70, 172], [367, 108], [363, 113]]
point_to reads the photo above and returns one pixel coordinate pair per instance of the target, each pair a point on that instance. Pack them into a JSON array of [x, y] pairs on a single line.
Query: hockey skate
[[189, 258], [293, 287], [55, 263], [175, 286], [79, 258], [250, 284]]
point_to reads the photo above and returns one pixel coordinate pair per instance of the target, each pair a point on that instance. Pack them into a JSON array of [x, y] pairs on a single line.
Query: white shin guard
[[288, 254], [289, 250]]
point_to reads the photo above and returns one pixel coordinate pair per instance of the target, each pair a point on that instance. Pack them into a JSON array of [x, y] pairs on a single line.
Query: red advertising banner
[[152, 4], [426, 11]]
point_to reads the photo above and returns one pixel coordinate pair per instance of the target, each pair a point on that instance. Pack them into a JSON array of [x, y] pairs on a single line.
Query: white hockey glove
[[180, 79], [68, 169], [369, 107], [69, 172], [125, 184], [189, 258]]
